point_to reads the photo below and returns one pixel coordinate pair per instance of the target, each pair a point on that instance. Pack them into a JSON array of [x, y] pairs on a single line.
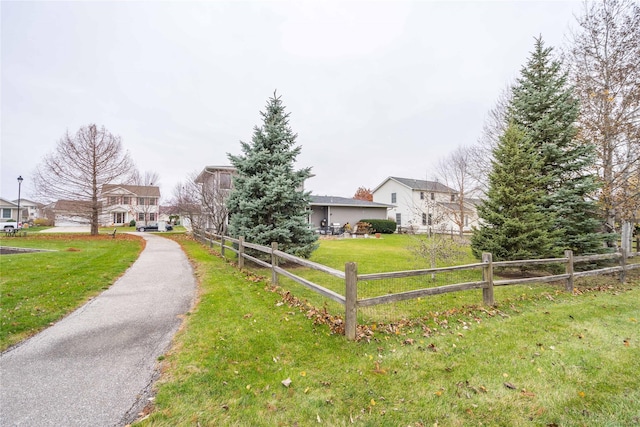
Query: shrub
[[43, 222], [384, 226], [132, 223]]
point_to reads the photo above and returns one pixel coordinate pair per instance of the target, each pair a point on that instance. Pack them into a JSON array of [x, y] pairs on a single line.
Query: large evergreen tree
[[514, 225], [268, 202], [544, 107]]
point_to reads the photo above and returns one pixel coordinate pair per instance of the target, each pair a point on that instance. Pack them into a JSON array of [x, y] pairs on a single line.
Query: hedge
[[384, 226]]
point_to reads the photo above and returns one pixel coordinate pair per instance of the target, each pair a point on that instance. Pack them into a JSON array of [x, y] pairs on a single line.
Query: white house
[[30, 210], [122, 203], [425, 206], [8, 210]]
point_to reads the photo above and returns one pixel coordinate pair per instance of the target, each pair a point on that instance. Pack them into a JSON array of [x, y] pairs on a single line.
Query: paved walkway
[[96, 366]]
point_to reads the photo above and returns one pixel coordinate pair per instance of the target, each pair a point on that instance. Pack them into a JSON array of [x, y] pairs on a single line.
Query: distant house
[[30, 210], [122, 203], [342, 210], [215, 184], [425, 206], [69, 213], [8, 210]]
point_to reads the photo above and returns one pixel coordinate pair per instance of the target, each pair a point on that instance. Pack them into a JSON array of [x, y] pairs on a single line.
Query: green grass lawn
[[37, 289], [540, 357]]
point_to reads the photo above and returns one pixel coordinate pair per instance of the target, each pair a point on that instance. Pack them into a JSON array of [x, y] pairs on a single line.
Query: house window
[[152, 216], [225, 181], [140, 216], [433, 196], [6, 213], [453, 197], [430, 219], [126, 200], [140, 201], [422, 195], [118, 217], [152, 201], [393, 197], [398, 219], [113, 200], [424, 218]]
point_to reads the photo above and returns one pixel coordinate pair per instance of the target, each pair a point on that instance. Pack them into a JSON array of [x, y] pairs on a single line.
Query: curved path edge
[[97, 365]]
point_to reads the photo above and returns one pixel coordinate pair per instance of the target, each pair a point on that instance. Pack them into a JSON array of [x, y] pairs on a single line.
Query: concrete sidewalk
[[96, 366]]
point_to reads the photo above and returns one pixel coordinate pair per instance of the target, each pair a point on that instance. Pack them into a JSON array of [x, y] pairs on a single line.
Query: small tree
[[456, 172], [514, 225], [363, 193], [78, 168], [437, 245], [268, 202]]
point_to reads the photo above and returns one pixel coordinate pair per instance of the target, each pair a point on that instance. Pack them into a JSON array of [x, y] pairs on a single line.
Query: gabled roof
[[72, 205], [419, 185], [137, 190], [344, 201], [5, 202], [212, 169], [25, 202], [453, 206]]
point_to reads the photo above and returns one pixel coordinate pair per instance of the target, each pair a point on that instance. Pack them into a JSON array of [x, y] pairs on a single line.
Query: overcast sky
[[374, 88]]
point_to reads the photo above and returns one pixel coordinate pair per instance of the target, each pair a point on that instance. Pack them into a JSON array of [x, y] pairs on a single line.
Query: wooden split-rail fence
[[351, 277]]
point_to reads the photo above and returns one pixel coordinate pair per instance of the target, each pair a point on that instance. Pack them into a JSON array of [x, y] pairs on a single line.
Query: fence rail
[[351, 277]]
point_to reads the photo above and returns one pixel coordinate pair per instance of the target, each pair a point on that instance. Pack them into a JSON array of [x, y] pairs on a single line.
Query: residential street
[[96, 366]]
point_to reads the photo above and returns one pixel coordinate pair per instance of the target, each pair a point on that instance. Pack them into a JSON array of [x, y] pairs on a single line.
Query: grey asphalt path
[[96, 366]]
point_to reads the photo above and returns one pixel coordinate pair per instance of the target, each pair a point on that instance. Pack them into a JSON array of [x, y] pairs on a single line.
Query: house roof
[[212, 169], [25, 202], [138, 190], [5, 203], [344, 201], [419, 185], [452, 206], [72, 205]]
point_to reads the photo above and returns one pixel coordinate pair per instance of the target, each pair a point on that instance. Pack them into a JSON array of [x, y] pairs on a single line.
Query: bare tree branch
[[78, 167]]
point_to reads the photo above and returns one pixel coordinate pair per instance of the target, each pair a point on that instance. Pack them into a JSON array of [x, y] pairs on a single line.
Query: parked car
[[154, 227], [10, 225]]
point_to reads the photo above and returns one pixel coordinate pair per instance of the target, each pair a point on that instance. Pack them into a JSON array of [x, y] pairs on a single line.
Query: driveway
[[96, 366], [68, 229]]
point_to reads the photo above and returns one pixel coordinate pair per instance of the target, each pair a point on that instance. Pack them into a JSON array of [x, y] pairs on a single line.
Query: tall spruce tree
[[514, 225], [268, 203], [544, 107]]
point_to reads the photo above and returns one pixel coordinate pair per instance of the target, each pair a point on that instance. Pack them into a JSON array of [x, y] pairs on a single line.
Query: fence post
[[222, 245], [569, 270], [274, 263], [211, 240], [623, 264], [351, 300], [487, 276], [241, 252]]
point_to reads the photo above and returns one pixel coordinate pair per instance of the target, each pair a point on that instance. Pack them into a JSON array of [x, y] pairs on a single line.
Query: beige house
[[122, 203]]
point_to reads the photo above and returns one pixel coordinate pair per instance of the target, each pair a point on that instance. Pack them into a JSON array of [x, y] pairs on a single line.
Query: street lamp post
[[20, 179]]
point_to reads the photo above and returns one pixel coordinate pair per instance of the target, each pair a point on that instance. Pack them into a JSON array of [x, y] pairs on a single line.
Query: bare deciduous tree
[[146, 178], [456, 171], [78, 168], [202, 203], [436, 245], [605, 66], [493, 128]]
